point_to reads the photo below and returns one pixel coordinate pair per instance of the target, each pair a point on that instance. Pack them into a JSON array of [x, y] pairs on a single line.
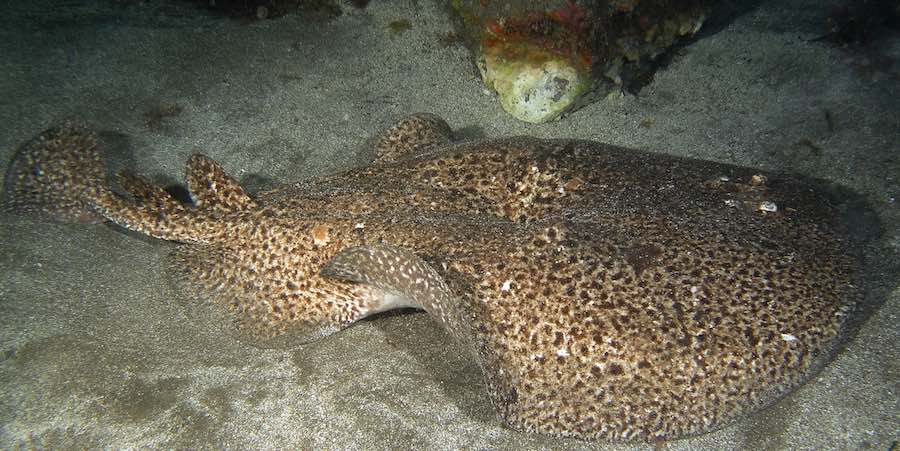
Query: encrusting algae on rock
[[605, 293], [546, 58]]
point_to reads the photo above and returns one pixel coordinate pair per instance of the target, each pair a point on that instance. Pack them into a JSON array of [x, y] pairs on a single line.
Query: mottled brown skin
[[605, 292]]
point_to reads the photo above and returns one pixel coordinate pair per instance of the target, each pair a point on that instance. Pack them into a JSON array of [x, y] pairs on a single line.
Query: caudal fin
[[60, 175], [55, 176]]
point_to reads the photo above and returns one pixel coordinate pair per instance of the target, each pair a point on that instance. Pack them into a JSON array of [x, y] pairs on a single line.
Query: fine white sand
[[95, 351]]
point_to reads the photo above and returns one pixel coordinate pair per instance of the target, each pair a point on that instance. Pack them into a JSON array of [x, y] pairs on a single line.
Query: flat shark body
[[606, 293]]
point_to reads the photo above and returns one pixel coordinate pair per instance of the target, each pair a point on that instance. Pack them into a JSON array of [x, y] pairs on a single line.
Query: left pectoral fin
[[396, 271]]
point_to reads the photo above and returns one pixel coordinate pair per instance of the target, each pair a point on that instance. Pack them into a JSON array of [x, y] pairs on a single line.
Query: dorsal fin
[[213, 189], [410, 135], [147, 192]]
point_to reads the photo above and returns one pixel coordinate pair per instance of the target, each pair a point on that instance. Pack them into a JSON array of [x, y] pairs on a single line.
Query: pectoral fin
[[401, 274]]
